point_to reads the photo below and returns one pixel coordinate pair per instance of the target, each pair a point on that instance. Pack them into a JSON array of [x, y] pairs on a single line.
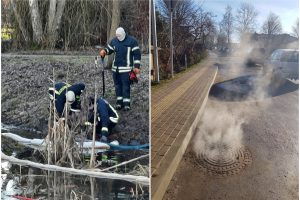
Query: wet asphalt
[[270, 132]]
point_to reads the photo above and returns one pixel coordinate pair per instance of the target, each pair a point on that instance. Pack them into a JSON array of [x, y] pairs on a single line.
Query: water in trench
[[252, 87], [22, 181]]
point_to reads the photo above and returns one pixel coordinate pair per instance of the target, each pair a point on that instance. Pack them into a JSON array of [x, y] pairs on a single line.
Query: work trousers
[[122, 88]]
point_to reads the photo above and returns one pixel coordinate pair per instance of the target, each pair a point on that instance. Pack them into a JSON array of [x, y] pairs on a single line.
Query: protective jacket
[[127, 54], [59, 91], [107, 117]]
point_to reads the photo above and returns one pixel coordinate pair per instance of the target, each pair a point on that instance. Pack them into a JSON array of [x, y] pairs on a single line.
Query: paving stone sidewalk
[[175, 110]]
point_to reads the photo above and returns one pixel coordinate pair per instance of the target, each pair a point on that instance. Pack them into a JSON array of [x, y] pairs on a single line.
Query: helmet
[[70, 97]]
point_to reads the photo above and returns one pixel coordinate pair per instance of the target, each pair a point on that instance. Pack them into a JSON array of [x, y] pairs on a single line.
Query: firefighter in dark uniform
[[106, 117], [127, 59], [63, 93]]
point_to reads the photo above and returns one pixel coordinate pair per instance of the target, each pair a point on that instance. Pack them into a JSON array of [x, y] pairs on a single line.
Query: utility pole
[[154, 38], [171, 37], [171, 5], [185, 61]]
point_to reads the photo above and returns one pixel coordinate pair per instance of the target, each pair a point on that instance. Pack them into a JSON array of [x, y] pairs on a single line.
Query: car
[[285, 63]]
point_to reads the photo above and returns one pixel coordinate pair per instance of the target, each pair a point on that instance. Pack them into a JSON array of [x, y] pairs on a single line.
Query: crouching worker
[[106, 118], [63, 93]]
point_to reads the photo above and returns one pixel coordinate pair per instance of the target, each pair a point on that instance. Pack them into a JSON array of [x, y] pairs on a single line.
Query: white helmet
[[70, 96]]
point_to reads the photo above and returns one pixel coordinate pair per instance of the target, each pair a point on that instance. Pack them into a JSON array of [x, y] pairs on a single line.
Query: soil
[[26, 79]]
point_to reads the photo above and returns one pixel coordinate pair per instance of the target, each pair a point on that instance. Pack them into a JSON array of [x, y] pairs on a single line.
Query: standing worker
[[127, 59], [66, 93]]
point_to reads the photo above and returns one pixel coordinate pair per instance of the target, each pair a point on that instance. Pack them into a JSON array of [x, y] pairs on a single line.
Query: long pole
[[103, 77], [92, 160], [154, 37], [185, 61], [171, 41]]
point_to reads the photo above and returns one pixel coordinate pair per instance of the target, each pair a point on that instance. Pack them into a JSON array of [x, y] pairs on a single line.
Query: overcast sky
[[287, 10]]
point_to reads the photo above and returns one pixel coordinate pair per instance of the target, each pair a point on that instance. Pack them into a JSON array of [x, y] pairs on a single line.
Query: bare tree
[[74, 24], [135, 20], [115, 18], [36, 21], [20, 21], [296, 29], [37, 15], [227, 23], [272, 25], [55, 12], [193, 32], [246, 18], [115, 22]]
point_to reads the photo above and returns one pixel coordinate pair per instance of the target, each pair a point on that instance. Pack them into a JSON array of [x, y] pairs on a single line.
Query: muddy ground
[[25, 79]]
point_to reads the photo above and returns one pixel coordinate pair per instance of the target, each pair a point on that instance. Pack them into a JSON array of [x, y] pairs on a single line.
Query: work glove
[[102, 53], [132, 77]]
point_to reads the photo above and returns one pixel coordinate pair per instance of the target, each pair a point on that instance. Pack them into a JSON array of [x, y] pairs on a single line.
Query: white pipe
[[131, 178]]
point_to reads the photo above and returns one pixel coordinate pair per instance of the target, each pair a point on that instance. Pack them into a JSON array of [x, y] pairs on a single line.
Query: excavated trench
[[251, 87], [222, 159]]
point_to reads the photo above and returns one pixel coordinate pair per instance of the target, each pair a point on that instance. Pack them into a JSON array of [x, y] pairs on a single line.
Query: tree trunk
[[20, 21], [115, 18], [109, 18], [54, 20], [51, 15], [115, 21], [36, 22]]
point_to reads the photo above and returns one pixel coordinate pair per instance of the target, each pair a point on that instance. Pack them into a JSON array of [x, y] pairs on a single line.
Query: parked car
[[284, 62], [256, 57]]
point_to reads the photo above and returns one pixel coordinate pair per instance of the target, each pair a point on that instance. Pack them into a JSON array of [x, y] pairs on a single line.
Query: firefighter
[[106, 118], [127, 60], [63, 93]]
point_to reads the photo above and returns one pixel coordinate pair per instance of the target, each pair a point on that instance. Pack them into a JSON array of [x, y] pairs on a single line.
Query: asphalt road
[[269, 128]]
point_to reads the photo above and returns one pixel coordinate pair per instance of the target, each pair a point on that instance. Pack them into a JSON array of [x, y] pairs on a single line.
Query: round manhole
[[223, 166]]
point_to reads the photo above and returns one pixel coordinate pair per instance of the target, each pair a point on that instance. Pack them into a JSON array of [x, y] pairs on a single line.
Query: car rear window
[[285, 56], [289, 56]]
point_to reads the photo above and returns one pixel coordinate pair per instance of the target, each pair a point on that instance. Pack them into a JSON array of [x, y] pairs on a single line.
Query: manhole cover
[[229, 166]]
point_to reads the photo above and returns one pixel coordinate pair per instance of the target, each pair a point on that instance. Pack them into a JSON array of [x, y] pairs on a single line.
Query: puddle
[[16, 130], [41, 184]]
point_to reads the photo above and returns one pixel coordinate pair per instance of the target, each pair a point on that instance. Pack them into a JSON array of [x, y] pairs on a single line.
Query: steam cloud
[[219, 133]]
